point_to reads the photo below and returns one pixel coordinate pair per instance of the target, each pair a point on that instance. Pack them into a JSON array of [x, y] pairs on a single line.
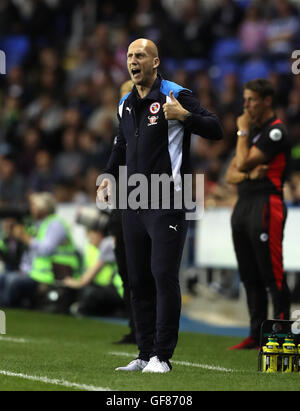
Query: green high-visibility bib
[[42, 270], [108, 273]]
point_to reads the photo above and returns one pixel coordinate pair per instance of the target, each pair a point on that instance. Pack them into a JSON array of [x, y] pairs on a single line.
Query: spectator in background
[[293, 118], [230, 98], [205, 90], [17, 85], [221, 149], [51, 254], [43, 176], [89, 148], [89, 181], [293, 109], [105, 114], [69, 162], [48, 83], [225, 19], [145, 18], [11, 114], [82, 66], [196, 32], [49, 61], [100, 38], [69, 191], [122, 39], [181, 76], [101, 289], [12, 184], [281, 31], [11, 250], [105, 68], [293, 197], [252, 32], [47, 113], [80, 97], [72, 118], [8, 13], [31, 143]]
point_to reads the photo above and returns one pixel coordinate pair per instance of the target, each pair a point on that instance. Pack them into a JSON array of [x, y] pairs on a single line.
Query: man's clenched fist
[[104, 191]]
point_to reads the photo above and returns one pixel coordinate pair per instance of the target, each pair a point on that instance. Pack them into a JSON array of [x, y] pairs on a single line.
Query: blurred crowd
[[66, 61]]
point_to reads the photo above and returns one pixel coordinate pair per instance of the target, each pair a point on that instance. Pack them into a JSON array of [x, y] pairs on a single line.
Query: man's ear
[[156, 62]]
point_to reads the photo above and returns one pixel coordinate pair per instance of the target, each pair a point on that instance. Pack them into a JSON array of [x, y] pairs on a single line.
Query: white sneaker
[[155, 365], [135, 365]]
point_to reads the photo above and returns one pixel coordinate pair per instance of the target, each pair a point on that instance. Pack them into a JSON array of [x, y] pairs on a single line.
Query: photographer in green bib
[[50, 256], [100, 286]]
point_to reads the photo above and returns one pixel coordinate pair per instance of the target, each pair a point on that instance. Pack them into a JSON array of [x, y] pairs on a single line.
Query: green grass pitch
[[43, 352]]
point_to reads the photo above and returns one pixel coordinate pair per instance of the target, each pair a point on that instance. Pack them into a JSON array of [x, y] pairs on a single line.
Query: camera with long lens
[[93, 219]]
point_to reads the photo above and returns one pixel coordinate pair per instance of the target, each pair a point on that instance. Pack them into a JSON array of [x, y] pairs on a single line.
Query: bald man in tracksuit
[[156, 122]]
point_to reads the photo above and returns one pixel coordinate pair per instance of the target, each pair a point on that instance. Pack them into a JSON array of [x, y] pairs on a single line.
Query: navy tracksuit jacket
[[154, 239]]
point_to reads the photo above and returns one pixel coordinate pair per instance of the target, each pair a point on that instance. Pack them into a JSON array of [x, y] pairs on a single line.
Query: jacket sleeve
[[201, 121], [118, 155], [55, 236]]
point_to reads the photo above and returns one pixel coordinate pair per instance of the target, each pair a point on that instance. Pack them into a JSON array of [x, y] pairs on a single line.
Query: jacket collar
[[153, 94]]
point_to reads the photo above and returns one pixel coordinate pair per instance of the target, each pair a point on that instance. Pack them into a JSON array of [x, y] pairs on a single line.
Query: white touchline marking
[[27, 341], [205, 366], [14, 340], [186, 363], [47, 380]]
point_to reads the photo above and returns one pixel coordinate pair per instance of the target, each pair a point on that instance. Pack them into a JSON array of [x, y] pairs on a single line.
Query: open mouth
[[135, 72]]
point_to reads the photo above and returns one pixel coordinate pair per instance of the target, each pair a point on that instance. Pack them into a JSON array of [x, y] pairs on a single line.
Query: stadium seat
[[218, 72], [243, 4], [16, 49], [282, 66], [251, 70], [225, 50], [170, 65], [192, 65]]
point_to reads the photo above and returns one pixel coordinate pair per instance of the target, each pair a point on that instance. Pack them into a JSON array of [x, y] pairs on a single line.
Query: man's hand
[[174, 110], [244, 121], [71, 283], [258, 172], [104, 191], [20, 234]]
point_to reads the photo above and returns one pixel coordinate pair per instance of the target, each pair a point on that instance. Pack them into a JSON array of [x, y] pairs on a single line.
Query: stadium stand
[[66, 60]]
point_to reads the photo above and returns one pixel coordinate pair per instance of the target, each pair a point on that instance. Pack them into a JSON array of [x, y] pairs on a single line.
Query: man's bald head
[[146, 44], [142, 62]]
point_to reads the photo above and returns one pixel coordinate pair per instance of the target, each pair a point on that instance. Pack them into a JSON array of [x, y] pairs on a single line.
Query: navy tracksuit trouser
[[154, 242]]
